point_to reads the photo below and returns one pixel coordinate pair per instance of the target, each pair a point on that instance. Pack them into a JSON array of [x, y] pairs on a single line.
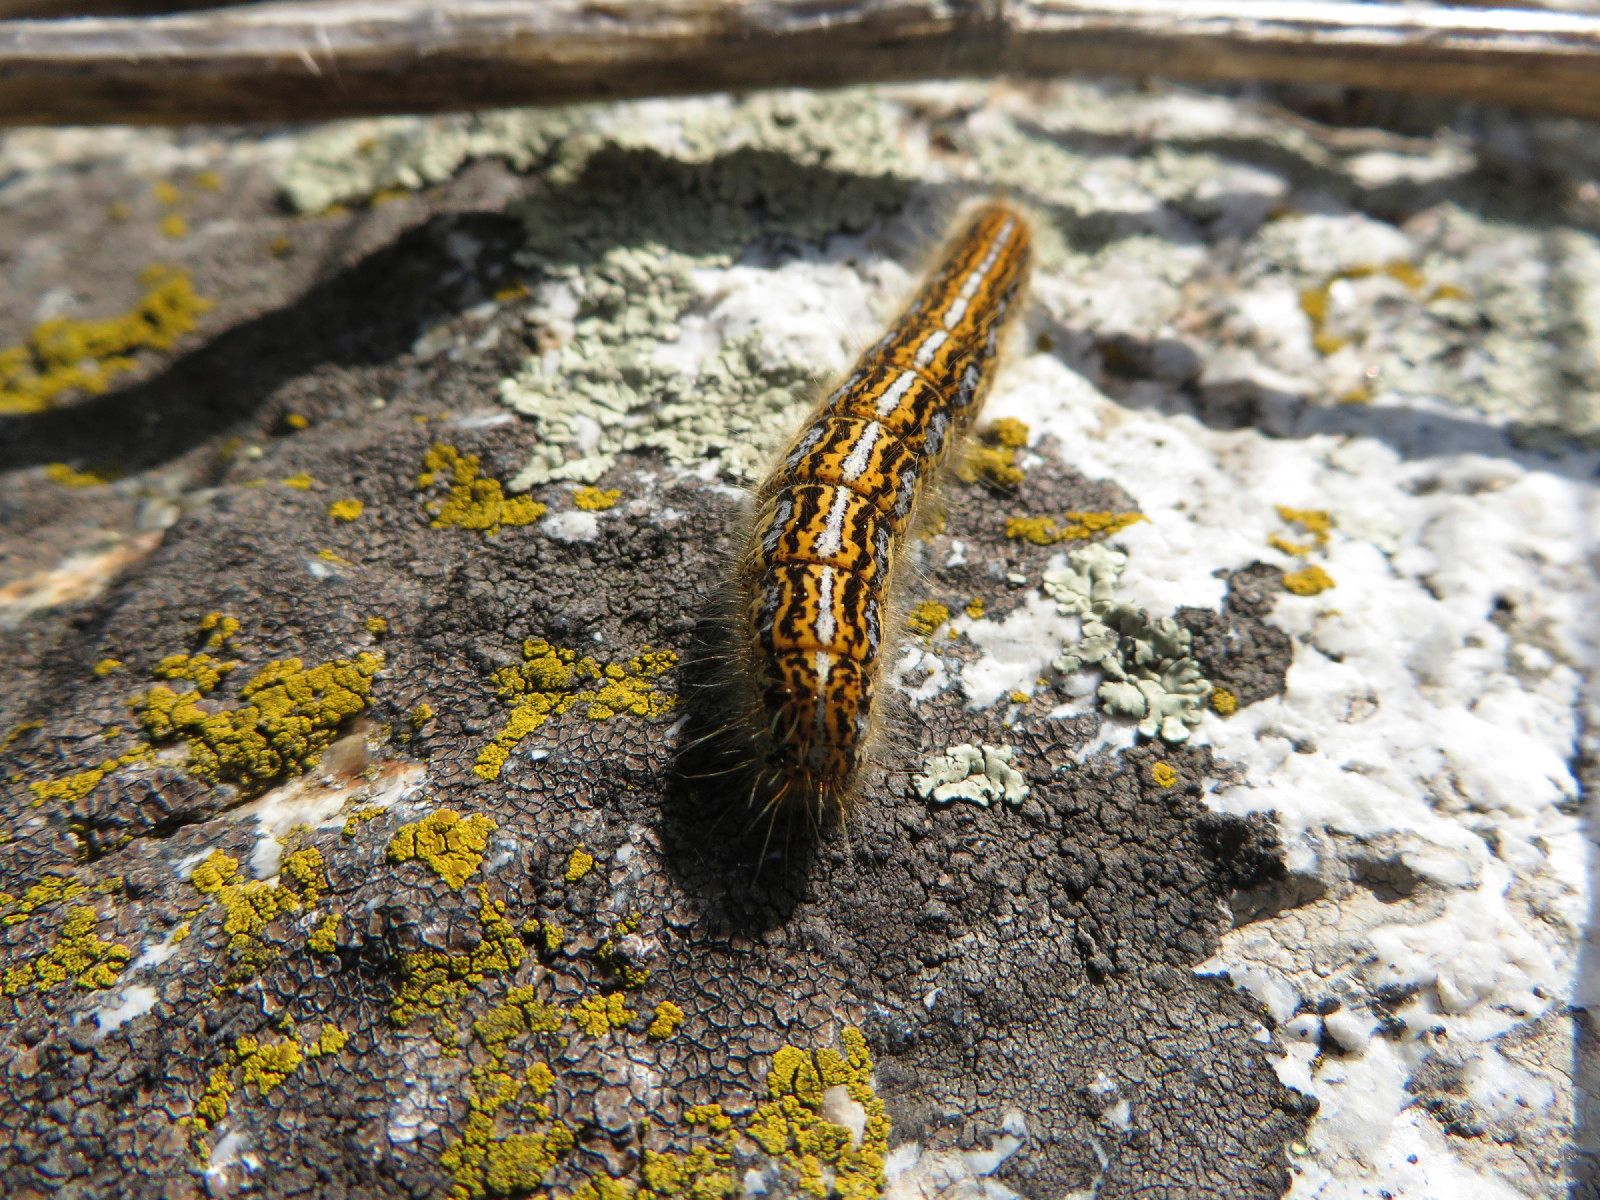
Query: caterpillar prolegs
[[827, 546]]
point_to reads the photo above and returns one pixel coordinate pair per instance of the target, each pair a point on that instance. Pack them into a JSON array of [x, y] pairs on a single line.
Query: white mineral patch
[[124, 1005], [575, 525], [1012, 661], [912, 1173], [320, 801]]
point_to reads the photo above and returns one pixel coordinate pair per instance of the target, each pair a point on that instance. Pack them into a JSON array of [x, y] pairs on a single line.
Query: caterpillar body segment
[[817, 577]]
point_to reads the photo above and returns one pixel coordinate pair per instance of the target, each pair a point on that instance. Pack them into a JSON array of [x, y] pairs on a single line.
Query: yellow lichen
[[1316, 522], [593, 499], [306, 868], [296, 421], [1163, 774], [181, 933], [260, 1065], [421, 715], [248, 909], [214, 873], [1298, 549], [451, 845], [1019, 697], [473, 500], [376, 626], [1308, 581], [289, 715], [579, 864], [208, 181], [551, 681], [520, 1013], [79, 955], [106, 666], [434, 983], [52, 889], [974, 608], [346, 510], [64, 355], [331, 1041], [68, 476], [597, 1015], [70, 789], [789, 1126], [994, 456], [359, 817], [925, 618], [201, 670], [301, 482], [1317, 302], [165, 193], [1074, 527], [174, 226], [1223, 702], [324, 938], [668, 1016]]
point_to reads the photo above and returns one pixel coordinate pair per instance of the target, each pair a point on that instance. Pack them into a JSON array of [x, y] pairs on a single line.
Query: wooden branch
[[292, 61]]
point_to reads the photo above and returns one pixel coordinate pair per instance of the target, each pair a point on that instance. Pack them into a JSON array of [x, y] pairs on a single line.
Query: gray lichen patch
[[976, 774], [1149, 674], [631, 247], [351, 162]]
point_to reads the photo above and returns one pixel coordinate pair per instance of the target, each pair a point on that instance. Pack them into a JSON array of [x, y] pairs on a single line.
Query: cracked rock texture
[[1342, 354]]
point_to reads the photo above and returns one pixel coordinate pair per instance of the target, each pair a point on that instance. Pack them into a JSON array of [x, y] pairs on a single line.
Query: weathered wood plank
[[330, 58]]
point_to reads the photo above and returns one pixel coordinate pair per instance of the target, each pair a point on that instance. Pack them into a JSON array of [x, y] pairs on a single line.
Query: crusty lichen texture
[[471, 499], [66, 354], [287, 716], [552, 680], [449, 844], [1149, 674]]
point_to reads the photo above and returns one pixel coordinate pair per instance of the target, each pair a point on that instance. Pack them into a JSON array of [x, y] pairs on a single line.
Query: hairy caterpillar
[[820, 563]]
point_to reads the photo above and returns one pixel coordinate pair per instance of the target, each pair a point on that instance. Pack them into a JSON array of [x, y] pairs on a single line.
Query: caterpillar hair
[[822, 563]]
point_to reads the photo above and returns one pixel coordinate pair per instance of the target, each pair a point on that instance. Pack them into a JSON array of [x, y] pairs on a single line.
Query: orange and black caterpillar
[[821, 560]]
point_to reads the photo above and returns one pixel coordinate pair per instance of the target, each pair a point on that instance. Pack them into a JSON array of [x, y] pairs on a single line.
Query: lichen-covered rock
[[354, 841]]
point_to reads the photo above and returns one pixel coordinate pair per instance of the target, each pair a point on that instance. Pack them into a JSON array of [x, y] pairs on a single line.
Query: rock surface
[[350, 841]]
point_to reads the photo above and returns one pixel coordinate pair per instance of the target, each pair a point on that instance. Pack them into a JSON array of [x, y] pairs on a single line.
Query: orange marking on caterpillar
[[820, 564]]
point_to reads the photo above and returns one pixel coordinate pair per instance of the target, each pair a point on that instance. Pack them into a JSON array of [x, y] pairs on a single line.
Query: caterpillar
[[815, 581]]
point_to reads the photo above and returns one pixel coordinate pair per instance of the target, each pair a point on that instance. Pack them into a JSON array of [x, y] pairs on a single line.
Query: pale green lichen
[[1149, 674], [450, 844], [624, 234], [976, 774], [350, 162]]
